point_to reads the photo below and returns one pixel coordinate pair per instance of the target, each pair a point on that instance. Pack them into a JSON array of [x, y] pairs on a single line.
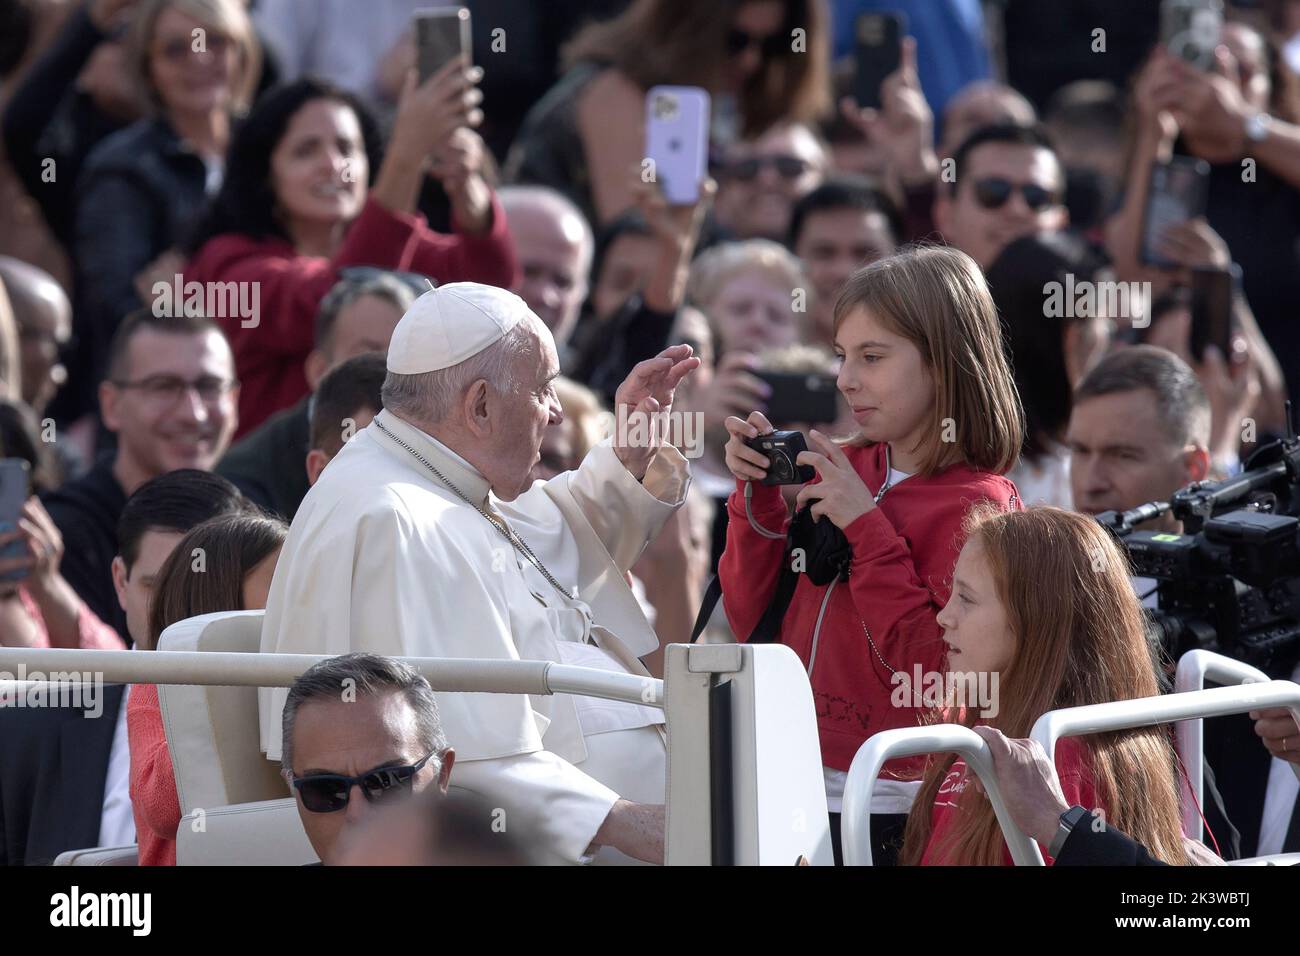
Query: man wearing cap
[[425, 537]]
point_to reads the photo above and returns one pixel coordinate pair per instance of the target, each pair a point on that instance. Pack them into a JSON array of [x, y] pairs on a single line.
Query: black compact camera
[[781, 449]]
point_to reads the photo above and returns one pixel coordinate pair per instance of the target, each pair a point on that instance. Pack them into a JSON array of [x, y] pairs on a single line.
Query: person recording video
[[924, 372]]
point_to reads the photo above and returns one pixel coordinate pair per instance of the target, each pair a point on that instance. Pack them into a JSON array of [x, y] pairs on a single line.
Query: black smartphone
[[802, 397], [1190, 29], [1213, 294], [781, 449], [14, 491], [440, 35], [878, 52], [1176, 193]]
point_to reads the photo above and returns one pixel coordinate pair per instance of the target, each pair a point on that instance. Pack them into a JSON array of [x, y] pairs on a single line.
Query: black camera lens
[[781, 469]]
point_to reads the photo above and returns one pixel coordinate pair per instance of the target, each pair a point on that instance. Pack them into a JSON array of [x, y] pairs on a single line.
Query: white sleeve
[[551, 805], [625, 513]]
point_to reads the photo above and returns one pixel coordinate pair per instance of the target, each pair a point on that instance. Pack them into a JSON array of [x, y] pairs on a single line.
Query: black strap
[[711, 595], [768, 629]]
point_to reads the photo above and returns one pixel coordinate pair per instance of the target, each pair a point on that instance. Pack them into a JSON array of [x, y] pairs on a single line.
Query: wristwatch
[[1069, 819], [1257, 127]]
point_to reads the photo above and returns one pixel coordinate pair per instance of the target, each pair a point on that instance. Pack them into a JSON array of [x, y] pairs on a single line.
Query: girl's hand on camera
[[841, 494], [742, 461]]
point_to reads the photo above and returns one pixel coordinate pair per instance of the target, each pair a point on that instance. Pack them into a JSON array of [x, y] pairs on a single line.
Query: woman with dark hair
[[763, 62], [1050, 349], [196, 64], [224, 564], [307, 193]]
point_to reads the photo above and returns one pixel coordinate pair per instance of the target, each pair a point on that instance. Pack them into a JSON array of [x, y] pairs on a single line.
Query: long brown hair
[[685, 42], [936, 298], [1079, 639], [205, 572]]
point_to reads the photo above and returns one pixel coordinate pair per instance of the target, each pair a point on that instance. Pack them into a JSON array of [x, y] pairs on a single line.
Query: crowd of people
[[362, 338]]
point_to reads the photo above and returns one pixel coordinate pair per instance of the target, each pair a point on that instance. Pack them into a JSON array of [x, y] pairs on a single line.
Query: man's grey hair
[[347, 290], [354, 676], [431, 396], [1181, 402]]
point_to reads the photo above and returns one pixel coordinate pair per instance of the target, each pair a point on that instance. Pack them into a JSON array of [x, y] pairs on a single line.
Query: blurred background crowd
[[292, 152]]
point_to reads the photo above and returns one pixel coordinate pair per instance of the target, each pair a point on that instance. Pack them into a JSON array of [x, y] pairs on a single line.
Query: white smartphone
[[440, 35], [677, 140]]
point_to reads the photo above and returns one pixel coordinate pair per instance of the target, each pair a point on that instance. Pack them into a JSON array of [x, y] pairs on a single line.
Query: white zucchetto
[[447, 325]]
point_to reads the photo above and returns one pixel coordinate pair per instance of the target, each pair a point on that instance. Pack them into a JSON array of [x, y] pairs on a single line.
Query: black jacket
[[53, 767], [269, 464], [141, 191], [1106, 847], [86, 512]]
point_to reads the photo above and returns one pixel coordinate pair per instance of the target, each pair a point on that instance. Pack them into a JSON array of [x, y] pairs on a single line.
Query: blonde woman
[[196, 64]]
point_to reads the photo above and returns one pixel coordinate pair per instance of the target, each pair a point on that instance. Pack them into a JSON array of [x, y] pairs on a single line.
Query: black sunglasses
[[738, 41], [787, 167], [330, 792], [993, 193]]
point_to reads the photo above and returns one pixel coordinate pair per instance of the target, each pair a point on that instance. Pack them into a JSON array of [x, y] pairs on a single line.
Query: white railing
[[224, 668], [855, 821], [1194, 668]]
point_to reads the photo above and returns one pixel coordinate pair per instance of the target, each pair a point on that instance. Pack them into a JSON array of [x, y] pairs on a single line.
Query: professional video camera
[[1231, 582]]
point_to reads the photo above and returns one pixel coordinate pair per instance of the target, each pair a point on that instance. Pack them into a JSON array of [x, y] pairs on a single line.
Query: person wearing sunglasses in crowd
[[761, 180], [224, 564], [347, 755], [584, 136], [1008, 182]]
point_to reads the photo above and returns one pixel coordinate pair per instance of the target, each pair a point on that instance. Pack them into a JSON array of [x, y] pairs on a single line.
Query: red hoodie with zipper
[[904, 550]]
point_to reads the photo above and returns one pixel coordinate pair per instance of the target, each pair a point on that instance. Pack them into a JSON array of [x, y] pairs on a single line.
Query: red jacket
[[154, 801], [269, 356], [904, 550], [1073, 768]]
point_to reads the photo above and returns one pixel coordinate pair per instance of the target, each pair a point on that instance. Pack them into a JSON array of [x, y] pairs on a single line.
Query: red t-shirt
[[1073, 767]]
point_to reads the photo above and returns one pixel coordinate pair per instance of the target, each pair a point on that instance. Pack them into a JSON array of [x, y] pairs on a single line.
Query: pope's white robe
[[382, 557]]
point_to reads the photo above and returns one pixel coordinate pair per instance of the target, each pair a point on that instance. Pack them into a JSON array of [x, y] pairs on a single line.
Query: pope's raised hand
[[647, 393]]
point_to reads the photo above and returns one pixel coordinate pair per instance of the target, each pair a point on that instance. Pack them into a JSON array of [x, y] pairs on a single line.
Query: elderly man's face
[[554, 256], [1122, 456], [352, 738], [522, 416]]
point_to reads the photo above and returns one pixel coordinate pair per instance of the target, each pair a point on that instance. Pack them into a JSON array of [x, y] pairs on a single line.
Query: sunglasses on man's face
[[993, 193], [330, 792], [787, 167]]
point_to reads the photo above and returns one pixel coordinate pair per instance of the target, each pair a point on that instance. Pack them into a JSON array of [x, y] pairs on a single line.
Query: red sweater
[[154, 802], [904, 550], [269, 356], [1073, 766]]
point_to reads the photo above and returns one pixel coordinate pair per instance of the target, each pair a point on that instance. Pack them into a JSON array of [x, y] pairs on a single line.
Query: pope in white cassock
[[423, 538]]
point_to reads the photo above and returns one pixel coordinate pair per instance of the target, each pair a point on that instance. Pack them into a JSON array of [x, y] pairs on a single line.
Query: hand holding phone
[[877, 52], [677, 141], [1176, 193], [1190, 30], [440, 36]]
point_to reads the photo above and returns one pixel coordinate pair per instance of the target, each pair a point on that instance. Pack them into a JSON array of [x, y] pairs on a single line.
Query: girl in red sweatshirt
[[1041, 601], [925, 375]]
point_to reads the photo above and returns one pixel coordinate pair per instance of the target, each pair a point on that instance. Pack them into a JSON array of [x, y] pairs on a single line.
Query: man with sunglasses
[[1008, 183], [359, 732], [171, 399], [761, 180]]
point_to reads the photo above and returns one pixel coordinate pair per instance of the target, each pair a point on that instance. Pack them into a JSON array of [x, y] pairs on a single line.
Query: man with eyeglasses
[[171, 398], [1007, 183], [360, 731], [760, 181]]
